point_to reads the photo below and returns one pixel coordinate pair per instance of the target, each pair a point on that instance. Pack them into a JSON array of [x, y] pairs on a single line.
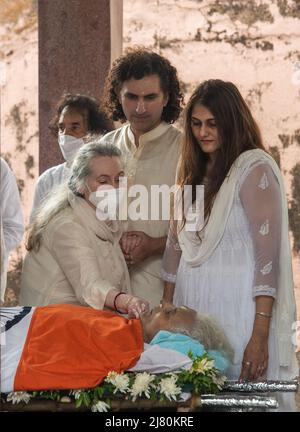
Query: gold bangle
[[264, 314]]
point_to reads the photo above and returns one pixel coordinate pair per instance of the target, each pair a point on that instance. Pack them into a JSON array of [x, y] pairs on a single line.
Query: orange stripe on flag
[[72, 347]]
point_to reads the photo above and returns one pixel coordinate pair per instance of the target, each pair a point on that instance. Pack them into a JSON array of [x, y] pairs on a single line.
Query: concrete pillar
[[116, 28], [75, 47]]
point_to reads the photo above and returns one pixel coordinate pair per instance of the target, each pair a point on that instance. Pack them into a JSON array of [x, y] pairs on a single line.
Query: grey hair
[[209, 333], [57, 200], [80, 168]]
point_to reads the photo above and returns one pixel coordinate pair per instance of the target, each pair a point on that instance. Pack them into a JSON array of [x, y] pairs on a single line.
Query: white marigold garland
[[203, 377], [17, 397], [142, 385], [168, 387], [119, 381], [100, 406]]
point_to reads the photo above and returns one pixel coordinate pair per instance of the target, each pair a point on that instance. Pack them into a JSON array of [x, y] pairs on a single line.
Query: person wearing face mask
[[107, 201], [77, 117], [74, 256]]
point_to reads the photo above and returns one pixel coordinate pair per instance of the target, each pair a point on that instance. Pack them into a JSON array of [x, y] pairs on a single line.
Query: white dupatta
[[284, 304]]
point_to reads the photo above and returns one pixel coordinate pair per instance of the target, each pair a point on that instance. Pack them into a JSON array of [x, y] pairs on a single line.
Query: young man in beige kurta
[[149, 99]]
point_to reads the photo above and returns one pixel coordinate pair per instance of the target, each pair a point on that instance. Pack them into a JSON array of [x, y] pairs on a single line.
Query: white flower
[[120, 381], [111, 376], [142, 384], [75, 393], [219, 380], [17, 397], [100, 406], [168, 387], [204, 365]]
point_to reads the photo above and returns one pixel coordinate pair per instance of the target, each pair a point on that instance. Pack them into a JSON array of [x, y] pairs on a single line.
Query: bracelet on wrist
[[115, 302], [264, 314]]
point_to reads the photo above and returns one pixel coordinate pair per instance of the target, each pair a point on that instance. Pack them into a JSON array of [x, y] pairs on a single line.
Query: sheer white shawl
[[284, 305]]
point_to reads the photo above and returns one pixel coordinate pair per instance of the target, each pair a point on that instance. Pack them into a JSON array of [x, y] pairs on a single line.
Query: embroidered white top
[[244, 253]]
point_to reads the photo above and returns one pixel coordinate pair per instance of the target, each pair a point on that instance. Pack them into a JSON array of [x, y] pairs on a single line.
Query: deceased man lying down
[[70, 347]]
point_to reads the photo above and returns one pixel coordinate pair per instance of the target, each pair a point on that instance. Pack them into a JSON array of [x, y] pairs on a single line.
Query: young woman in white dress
[[237, 266]]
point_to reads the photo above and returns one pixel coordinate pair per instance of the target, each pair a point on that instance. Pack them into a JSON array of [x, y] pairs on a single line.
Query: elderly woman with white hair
[[74, 255]]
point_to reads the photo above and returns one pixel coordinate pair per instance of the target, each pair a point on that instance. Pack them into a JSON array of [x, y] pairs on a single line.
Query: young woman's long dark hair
[[237, 131]]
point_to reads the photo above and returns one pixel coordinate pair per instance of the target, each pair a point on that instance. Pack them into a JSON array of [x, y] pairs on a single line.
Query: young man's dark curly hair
[[88, 107], [138, 63]]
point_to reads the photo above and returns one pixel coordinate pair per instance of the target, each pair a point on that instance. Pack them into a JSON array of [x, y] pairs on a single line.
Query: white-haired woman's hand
[[132, 305]]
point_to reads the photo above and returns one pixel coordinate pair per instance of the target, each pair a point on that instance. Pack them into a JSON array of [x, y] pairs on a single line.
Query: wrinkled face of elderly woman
[[167, 317], [106, 173]]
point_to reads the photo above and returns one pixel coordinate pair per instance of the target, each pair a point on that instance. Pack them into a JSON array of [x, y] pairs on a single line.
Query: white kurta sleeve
[[11, 212], [43, 187], [171, 255], [50, 178], [261, 200], [37, 198], [73, 251]]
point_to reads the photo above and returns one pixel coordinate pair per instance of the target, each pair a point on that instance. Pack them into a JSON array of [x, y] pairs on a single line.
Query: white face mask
[[107, 202], [69, 146]]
